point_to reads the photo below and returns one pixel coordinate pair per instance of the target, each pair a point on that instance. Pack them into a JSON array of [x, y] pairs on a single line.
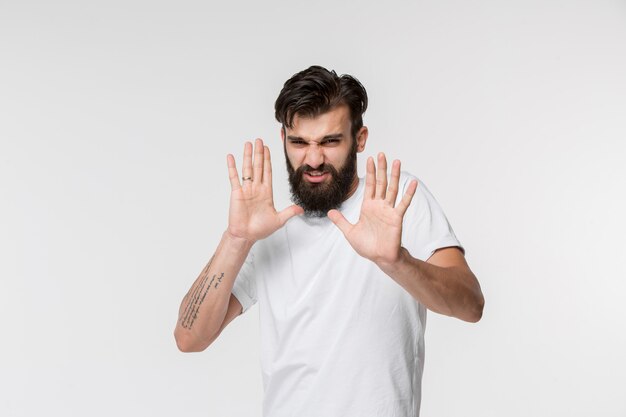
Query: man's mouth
[[315, 176]]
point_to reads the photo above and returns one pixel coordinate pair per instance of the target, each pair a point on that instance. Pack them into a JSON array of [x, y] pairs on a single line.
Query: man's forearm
[[451, 291], [203, 309]]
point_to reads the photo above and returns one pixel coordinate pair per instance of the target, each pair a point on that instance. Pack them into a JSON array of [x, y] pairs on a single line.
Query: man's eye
[[297, 142], [330, 142]]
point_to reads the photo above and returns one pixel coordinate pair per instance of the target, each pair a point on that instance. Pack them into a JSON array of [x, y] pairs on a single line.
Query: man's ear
[[282, 133], [361, 139]]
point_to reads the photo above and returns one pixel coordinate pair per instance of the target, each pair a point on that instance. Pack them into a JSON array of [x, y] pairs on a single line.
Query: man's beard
[[318, 198]]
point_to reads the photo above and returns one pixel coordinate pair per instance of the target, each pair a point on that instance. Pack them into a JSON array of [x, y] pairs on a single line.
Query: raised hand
[[378, 232], [252, 215]]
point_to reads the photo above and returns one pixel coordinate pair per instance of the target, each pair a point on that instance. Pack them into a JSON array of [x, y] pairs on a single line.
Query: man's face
[[321, 160]]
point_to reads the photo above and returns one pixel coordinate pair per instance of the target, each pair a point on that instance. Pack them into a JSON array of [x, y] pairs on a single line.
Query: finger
[[407, 197], [289, 212], [340, 221], [267, 166], [232, 173], [392, 191], [246, 171], [381, 176], [370, 179], [257, 167]]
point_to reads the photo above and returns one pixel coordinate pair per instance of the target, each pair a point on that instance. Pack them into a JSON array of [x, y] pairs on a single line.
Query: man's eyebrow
[[327, 137], [333, 136]]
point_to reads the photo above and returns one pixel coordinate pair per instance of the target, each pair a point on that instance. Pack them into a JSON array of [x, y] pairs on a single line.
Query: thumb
[[289, 212], [340, 221]]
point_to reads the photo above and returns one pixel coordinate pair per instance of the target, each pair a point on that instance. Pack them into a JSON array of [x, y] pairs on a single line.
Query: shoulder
[[422, 190], [423, 201], [405, 179]]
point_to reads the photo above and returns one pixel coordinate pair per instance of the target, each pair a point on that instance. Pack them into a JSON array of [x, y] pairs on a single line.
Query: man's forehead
[[336, 120]]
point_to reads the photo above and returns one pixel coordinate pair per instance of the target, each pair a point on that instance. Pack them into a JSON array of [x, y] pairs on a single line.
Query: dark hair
[[316, 90]]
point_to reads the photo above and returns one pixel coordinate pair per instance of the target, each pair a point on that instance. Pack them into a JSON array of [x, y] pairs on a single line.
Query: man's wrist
[[239, 243], [394, 267]]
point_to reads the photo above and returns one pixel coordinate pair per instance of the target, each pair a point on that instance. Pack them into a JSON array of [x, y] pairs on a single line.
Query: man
[[344, 276]]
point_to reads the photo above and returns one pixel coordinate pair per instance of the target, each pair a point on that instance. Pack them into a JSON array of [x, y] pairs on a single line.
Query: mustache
[[322, 168]]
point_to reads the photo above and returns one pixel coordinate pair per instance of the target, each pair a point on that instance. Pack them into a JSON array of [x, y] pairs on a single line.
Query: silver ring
[[246, 178]]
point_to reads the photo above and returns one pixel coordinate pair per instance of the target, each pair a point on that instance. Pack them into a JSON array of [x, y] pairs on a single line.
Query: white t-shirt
[[340, 338]]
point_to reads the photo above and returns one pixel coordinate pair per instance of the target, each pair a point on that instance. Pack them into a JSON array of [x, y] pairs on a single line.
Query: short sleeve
[[425, 227], [244, 288]]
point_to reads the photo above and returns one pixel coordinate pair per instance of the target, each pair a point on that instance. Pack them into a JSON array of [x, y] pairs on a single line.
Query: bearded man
[[343, 277]]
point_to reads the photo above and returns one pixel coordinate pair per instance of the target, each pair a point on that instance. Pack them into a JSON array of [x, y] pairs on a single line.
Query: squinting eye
[[330, 142]]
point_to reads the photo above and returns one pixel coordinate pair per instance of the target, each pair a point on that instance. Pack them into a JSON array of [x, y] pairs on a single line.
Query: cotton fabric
[[340, 338]]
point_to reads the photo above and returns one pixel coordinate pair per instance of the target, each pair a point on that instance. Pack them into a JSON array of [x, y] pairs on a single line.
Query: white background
[[115, 119]]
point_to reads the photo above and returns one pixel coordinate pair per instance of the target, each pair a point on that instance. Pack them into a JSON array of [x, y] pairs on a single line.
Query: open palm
[[252, 215], [378, 232]]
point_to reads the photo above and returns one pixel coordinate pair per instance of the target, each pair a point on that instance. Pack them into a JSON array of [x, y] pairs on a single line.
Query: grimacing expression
[[318, 198], [320, 153]]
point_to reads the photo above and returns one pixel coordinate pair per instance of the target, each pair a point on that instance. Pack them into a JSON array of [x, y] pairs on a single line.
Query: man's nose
[[314, 156]]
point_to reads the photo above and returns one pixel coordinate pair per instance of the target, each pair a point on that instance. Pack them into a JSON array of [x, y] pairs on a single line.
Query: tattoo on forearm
[[196, 296], [193, 292], [219, 279]]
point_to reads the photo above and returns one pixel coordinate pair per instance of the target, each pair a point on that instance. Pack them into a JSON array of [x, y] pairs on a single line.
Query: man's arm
[[203, 310], [208, 306], [444, 284]]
